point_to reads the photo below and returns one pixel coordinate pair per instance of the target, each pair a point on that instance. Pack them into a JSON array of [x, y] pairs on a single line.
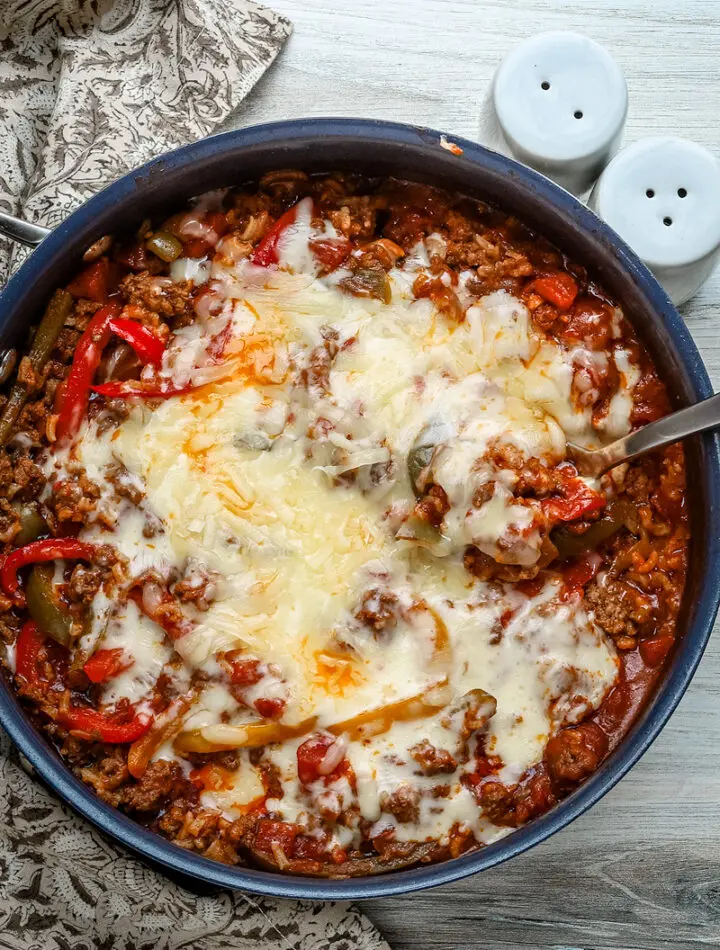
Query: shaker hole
[[578, 114], [545, 85], [650, 193], [682, 193], [667, 222]]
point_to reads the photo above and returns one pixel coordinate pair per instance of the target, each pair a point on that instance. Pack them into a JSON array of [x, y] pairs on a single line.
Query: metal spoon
[[17, 230], [678, 425]]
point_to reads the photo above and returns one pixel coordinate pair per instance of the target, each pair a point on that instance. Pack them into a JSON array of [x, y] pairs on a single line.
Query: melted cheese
[[238, 478]]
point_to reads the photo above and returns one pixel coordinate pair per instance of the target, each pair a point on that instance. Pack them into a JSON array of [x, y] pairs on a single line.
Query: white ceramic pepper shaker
[[662, 196], [561, 103]]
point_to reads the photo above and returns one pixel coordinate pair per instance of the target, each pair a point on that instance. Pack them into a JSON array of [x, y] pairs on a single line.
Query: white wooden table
[[642, 869]]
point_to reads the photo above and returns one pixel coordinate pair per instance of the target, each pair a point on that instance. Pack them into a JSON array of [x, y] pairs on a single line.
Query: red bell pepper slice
[[92, 282], [148, 347], [266, 253], [38, 552], [577, 499], [130, 388], [579, 573], [93, 724], [558, 288], [106, 665], [27, 653], [76, 388]]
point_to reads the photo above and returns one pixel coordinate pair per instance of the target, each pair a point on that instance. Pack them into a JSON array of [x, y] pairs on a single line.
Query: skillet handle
[[22, 231]]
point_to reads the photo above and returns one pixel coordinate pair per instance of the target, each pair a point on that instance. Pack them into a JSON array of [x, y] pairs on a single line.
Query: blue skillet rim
[[194, 868]]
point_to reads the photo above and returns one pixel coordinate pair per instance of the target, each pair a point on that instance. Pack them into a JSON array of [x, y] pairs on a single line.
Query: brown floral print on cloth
[[89, 90]]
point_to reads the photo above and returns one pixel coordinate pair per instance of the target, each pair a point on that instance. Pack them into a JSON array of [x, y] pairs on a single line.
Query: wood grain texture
[[642, 869]]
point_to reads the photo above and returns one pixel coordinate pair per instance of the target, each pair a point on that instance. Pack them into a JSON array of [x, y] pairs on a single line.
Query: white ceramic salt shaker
[[561, 103], [662, 196]]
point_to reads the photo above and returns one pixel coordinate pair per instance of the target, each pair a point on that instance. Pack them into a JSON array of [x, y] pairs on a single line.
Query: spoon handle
[[22, 231], [678, 425]]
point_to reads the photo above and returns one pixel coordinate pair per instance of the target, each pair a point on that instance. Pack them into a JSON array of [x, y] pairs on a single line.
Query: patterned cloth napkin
[[88, 90]]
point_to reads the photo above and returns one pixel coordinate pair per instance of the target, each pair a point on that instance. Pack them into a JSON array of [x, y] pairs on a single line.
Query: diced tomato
[[132, 256], [318, 849], [589, 323], [92, 282], [531, 588], [654, 651], [270, 708], [107, 664], [271, 833], [558, 288], [330, 252], [483, 768], [218, 221], [196, 247], [577, 499], [244, 670], [310, 756]]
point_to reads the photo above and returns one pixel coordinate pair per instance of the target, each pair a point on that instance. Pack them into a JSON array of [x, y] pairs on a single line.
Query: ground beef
[[114, 412], [206, 831], [74, 499], [611, 609], [433, 506], [355, 218], [378, 610], [619, 608], [317, 375], [494, 261], [536, 479], [9, 522], [26, 482], [403, 803], [163, 781], [158, 296], [125, 484], [108, 775], [84, 583], [514, 805], [197, 586], [432, 761]]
